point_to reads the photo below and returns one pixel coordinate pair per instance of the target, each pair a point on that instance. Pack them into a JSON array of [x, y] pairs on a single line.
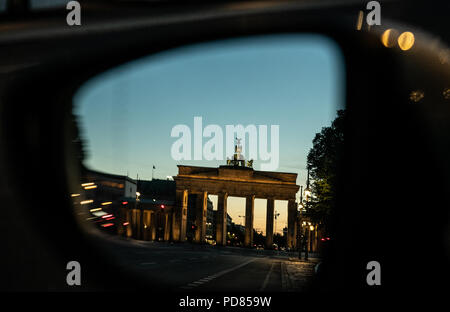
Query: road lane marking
[[218, 274], [266, 280]]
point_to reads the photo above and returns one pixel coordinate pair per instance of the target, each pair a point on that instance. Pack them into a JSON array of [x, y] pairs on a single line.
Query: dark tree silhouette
[[323, 162]]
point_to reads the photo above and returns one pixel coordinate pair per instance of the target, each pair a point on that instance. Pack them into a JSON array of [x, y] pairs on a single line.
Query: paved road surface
[[185, 267]]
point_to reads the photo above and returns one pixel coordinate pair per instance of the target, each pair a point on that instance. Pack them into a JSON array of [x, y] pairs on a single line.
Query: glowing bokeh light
[[406, 40], [416, 95], [359, 21], [389, 37], [446, 94]]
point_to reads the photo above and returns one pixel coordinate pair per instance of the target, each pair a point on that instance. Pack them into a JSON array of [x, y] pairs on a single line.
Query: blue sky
[[295, 81]]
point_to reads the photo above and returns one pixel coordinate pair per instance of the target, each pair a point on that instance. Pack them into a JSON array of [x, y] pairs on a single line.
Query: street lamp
[[300, 209], [140, 232], [307, 189], [307, 193], [306, 226], [300, 205], [306, 241]]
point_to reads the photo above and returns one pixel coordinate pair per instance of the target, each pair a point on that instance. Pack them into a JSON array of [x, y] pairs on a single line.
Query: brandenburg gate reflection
[[236, 179], [232, 181]]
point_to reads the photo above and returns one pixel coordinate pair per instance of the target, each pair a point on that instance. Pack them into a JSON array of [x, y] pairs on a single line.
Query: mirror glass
[[170, 139]]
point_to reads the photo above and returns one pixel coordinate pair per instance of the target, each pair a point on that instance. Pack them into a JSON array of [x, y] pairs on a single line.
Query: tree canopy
[[323, 161]]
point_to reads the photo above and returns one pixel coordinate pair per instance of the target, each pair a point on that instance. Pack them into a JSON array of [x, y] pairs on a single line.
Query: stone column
[[249, 208], [153, 225], [180, 216], [147, 225], [129, 227], [136, 223], [200, 217], [166, 227], [221, 221], [141, 223], [292, 229], [269, 223]]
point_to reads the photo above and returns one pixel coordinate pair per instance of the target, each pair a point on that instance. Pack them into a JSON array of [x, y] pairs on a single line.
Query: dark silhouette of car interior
[[397, 150]]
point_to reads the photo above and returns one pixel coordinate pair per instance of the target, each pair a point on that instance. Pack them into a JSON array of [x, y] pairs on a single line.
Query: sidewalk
[[293, 254], [296, 275], [270, 253], [127, 242]]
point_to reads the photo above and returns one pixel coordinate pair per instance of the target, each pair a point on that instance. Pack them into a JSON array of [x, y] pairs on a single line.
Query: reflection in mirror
[[230, 143]]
